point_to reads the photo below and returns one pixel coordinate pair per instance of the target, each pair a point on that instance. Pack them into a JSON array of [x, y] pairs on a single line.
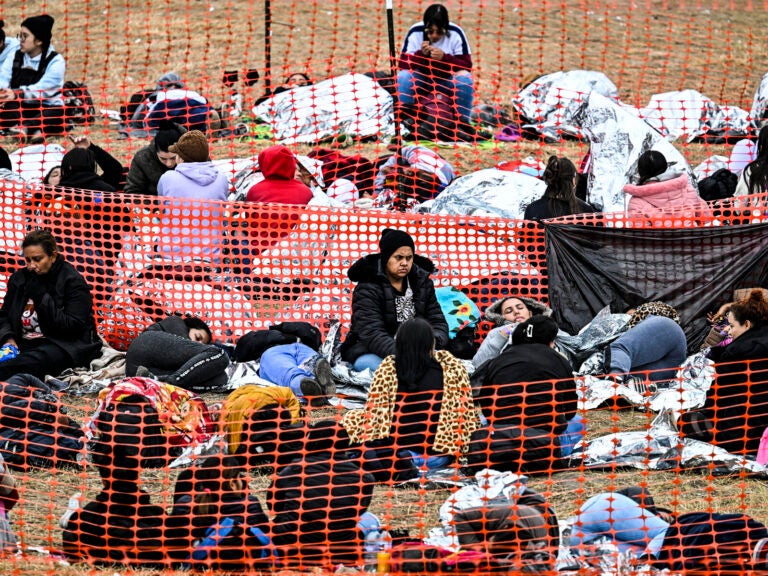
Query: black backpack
[[718, 186], [78, 103], [34, 430], [252, 345]]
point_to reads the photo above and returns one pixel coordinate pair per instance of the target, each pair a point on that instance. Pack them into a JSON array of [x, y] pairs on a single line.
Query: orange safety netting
[[242, 266]]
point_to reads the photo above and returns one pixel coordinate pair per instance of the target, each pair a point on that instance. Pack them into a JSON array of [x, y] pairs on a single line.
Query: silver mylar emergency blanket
[[759, 111], [617, 139], [661, 448], [549, 103], [686, 392], [487, 192], [690, 114], [352, 104]]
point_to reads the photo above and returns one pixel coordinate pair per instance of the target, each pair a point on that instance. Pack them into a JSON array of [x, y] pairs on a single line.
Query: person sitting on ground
[[121, 525], [559, 198], [8, 46], [31, 82], [195, 176], [178, 351], [436, 59], [154, 160], [78, 167], [653, 342], [278, 164], [662, 187], [506, 313], [419, 408], [300, 368], [754, 177], [735, 412], [393, 286], [692, 541], [528, 394], [46, 321]]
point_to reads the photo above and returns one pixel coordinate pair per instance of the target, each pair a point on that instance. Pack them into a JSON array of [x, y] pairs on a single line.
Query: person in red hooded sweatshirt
[[278, 164]]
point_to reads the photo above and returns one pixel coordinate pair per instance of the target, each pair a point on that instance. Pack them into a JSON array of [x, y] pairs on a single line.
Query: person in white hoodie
[[197, 228]]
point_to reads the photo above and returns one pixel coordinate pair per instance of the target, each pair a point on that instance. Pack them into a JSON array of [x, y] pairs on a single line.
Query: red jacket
[[278, 164]]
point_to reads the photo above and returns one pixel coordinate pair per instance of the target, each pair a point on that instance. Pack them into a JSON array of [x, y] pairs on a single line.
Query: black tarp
[[695, 270]]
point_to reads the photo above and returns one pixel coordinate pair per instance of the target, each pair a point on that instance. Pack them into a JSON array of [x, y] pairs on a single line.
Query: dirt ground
[[645, 46]]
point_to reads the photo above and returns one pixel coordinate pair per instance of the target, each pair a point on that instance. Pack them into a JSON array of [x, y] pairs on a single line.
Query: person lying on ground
[[178, 351], [506, 313], [47, 320], [692, 541]]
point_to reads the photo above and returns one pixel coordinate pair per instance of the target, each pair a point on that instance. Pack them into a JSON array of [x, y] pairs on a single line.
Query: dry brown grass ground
[[645, 47]]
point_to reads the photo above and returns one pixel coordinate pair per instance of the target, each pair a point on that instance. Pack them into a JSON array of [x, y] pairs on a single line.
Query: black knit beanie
[[40, 26], [536, 330], [391, 240]]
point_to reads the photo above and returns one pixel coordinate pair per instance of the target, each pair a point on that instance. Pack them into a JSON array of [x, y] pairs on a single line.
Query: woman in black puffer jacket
[[392, 287]]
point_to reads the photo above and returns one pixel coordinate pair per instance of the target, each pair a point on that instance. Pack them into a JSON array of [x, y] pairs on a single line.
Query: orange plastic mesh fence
[[244, 266], [692, 70]]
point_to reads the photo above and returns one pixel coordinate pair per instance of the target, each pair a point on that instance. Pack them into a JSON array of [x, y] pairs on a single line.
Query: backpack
[[437, 120], [78, 103], [718, 186], [357, 169], [231, 546], [463, 316], [316, 502], [34, 428]]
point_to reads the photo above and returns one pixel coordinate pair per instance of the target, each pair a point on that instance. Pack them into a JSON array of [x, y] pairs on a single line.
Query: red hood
[[277, 163]]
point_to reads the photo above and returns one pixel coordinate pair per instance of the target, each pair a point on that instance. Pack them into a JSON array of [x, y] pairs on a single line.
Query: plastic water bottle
[[376, 552]]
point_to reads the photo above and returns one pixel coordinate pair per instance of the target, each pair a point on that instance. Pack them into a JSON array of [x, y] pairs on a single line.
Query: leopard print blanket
[[458, 415]]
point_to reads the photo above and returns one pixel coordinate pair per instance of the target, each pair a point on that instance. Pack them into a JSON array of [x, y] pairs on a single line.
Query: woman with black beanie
[[393, 286]]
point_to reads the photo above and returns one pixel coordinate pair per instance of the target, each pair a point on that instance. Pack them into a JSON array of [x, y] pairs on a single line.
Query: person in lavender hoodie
[[193, 229]]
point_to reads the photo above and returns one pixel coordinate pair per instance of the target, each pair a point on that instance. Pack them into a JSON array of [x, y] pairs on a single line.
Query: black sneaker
[[324, 377], [144, 372], [641, 386]]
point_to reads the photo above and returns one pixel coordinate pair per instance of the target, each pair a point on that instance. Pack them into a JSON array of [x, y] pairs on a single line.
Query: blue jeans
[[576, 430], [654, 344], [460, 85], [618, 517], [284, 365], [370, 361]]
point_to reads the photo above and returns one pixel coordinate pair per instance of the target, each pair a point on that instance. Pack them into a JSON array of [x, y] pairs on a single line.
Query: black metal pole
[[401, 191], [268, 46]]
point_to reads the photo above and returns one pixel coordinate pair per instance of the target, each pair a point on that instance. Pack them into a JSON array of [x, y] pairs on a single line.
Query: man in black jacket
[[528, 395]]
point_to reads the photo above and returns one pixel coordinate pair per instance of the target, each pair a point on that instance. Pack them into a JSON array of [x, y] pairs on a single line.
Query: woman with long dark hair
[[419, 408], [754, 178], [559, 198]]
